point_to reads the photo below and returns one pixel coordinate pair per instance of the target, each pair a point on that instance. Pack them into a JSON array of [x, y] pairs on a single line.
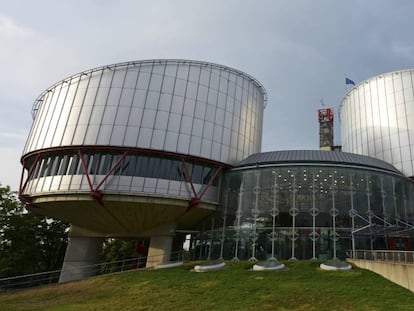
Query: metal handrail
[[50, 277], [406, 257]]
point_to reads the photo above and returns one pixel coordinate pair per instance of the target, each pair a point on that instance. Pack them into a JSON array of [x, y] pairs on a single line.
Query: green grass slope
[[302, 286]]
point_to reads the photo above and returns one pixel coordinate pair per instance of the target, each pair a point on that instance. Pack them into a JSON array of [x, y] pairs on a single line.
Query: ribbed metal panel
[[316, 156]]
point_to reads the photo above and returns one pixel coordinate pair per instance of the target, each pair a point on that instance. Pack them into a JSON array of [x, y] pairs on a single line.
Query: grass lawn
[[302, 286]]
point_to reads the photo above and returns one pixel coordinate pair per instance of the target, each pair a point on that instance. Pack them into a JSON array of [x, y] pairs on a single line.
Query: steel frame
[[94, 191]]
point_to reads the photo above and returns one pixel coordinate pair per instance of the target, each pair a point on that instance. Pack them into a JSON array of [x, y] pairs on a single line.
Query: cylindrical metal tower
[[377, 119], [124, 148]]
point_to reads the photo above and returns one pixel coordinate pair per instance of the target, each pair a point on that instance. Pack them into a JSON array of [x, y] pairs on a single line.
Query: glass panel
[[73, 165], [197, 175]]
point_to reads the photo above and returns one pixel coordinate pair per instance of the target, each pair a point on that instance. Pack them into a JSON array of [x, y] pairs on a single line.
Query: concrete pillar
[[82, 253], [160, 245]]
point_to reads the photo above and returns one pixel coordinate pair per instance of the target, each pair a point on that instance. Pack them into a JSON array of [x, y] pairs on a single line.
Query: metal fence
[[386, 255], [49, 277]]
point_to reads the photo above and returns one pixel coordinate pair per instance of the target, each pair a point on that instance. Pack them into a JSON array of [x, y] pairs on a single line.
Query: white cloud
[[28, 59], [8, 29]]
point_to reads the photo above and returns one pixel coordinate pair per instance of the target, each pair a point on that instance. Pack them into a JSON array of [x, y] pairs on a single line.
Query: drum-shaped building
[[309, 204], [137, 149], [377, 119]]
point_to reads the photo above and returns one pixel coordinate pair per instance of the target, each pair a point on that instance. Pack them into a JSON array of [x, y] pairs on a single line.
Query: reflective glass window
[[73, 165], [197, 174]]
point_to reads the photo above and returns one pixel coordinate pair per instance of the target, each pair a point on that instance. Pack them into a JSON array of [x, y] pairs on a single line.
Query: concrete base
[[399, 273], [81, 251], [160, 245]]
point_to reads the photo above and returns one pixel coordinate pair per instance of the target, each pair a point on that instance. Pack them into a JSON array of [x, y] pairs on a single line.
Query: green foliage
[[117, 249], [29, 243]]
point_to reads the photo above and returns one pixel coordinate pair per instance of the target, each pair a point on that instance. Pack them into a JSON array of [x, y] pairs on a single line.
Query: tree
[[118, 249], [29, 243]]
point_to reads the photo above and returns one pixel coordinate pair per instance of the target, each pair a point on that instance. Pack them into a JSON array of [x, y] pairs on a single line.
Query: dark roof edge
[[298, 157]]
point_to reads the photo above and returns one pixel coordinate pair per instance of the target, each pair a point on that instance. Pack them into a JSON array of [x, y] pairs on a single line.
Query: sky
[[300, 50]]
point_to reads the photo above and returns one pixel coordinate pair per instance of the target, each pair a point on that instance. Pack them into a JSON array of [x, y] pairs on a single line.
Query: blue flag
[[349, 81]]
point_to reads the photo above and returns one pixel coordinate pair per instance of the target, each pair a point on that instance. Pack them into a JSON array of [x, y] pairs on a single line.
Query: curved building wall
[[189, 107], [297, 209], [377, 119], [160, 112]]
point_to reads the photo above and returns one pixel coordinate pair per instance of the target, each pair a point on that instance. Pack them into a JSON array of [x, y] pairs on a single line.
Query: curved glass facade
[[309, 210], [377, 119], [136, 172]]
